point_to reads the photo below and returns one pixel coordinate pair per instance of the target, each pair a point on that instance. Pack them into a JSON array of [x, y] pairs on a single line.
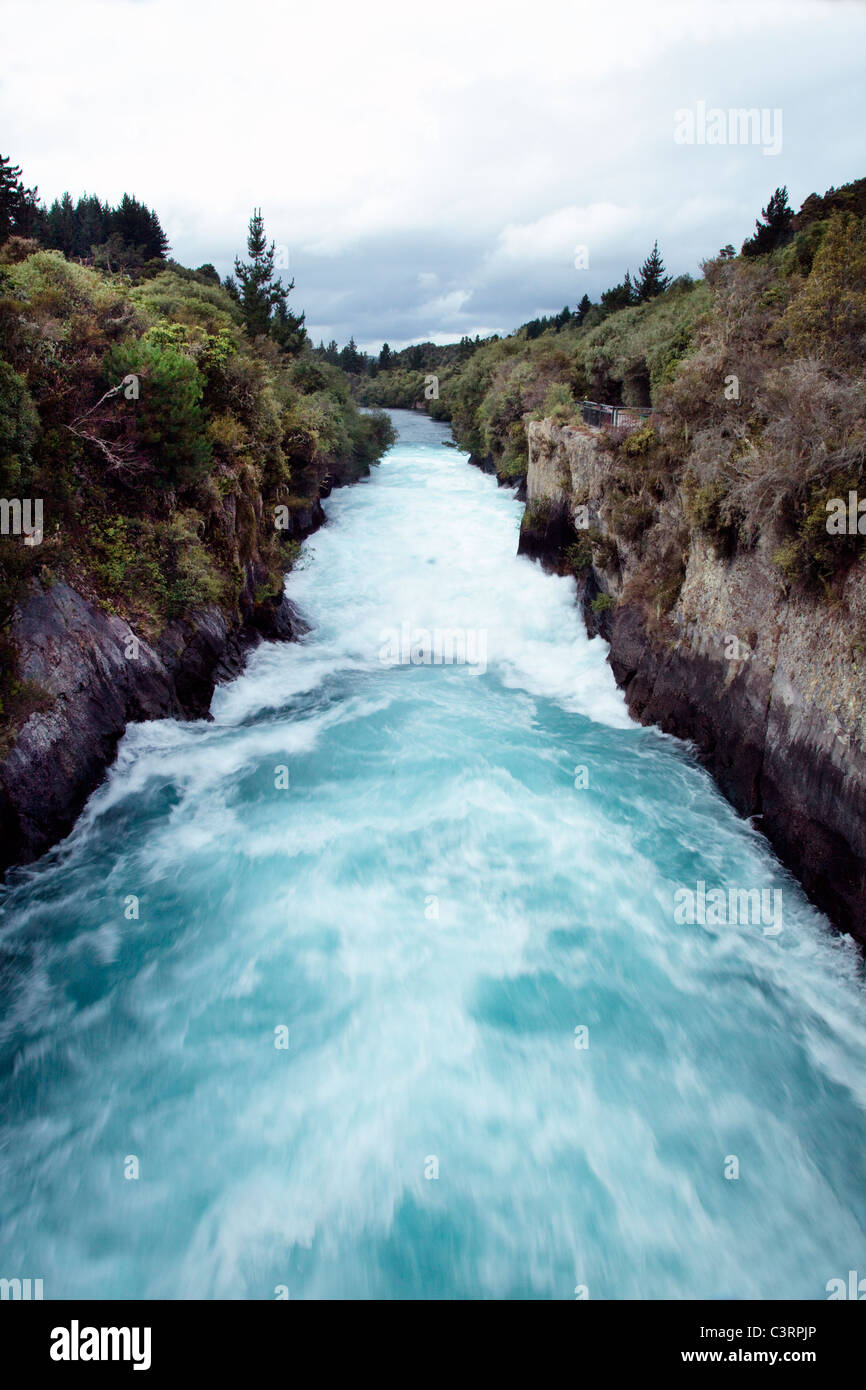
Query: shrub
[[603, 603], [19, 427], [630, 515], [192, 579], [828, 318], [167, 421], [578, 556], [559, 404], [182, 298], [537, 515], [639, 441]]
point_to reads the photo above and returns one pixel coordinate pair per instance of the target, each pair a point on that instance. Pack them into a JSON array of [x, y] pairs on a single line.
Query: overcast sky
[[431, 168]]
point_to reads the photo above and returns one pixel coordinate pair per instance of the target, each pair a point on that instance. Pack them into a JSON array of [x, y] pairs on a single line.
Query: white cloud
[[485, 139], [553, 238], [446, 306]]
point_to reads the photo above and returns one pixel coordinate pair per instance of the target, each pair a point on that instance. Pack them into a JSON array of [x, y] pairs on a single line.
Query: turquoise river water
[[377, 983]]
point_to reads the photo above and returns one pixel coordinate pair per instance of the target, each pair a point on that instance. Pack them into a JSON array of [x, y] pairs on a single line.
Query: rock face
[[101, 677], [769, 686]]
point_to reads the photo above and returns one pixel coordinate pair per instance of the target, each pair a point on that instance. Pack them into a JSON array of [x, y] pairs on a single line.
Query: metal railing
[[612, 415]]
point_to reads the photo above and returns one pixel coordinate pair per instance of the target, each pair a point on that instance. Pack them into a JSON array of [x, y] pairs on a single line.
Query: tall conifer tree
[[260, 292], [651, 277]]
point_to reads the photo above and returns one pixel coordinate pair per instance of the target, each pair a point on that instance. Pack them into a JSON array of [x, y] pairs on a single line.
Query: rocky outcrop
[[485, 462], [98, 676], [489, 464], [768, 684]]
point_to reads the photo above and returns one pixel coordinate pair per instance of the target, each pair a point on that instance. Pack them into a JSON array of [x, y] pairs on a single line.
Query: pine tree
[[156, 244], [258, 292], [62, 225], [287, 329], [139, 229], [619, 297], [350, 358], [19, 206], [385, 358], [93, 225], [583, 309], [651, 279], [775, 230], [261, 293]]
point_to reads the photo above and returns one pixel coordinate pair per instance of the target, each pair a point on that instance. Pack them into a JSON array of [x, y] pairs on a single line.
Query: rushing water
[[430, 909]]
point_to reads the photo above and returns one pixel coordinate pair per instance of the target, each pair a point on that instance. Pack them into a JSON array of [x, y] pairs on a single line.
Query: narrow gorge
[[432, 777], [376, 980]]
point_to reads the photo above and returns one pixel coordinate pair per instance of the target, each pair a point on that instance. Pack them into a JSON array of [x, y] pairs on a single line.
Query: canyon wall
[[96, 675], [767, 683]]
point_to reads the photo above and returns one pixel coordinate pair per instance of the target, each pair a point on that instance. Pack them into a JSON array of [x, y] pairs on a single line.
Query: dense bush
[[160, 438], [755, 375], [828, 318], [163, 430], [19, 426]]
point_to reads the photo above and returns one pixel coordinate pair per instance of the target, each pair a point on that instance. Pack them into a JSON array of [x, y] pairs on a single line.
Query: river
[[374, 986]]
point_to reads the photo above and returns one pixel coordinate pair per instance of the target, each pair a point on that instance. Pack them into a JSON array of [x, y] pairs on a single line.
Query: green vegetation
[[602, 603], [165, 417], [754, 375], [262, 295], [126, 237], [488, 390], [168, 425], [775, 227]]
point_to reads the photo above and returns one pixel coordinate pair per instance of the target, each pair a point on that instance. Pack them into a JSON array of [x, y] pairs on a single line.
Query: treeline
[[403, 383], [431, 357], [120, 238], [129, 239], [417, 357], [777, 226], [125, 237], [755, 377]]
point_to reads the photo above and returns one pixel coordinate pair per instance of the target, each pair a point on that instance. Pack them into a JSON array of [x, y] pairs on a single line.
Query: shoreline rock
[[762, 681], [76, 653]]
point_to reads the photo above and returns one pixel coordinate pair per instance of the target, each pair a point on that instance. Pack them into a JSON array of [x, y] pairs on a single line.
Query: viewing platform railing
[[613, 415]]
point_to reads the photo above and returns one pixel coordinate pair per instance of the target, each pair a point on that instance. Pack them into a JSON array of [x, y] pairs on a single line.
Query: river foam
[[430, 908]]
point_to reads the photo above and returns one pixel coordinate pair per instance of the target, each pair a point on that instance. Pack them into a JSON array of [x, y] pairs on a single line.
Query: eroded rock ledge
[[768, 685], [78, 655]]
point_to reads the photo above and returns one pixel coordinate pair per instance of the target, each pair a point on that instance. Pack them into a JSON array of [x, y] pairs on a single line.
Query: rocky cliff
[[768, 683], [96, 675]]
